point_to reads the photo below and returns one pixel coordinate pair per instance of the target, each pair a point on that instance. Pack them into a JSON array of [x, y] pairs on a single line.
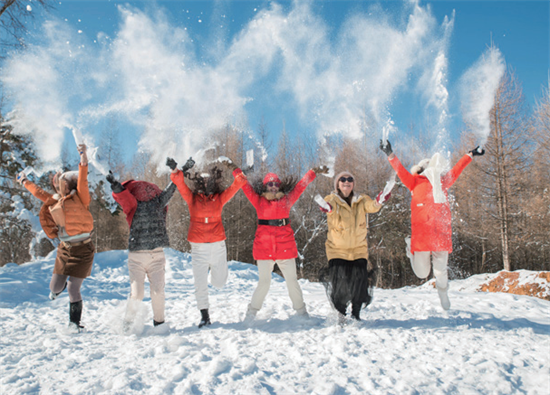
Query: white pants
[[421, 266], [288, 267], [208, 257], [153, 264]]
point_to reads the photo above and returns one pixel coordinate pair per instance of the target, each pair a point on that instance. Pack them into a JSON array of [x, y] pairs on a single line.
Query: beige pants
[[421, 266], [288, 267], [150, 263]]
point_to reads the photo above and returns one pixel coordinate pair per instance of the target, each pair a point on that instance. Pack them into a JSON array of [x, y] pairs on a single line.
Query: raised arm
[[301, 187], [82, 183], [251, 195], [238, 182], [178, 178], [167, 194], [450, 178]]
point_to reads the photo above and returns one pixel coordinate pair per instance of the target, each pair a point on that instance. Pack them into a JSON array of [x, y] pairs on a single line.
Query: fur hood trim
[[273, 196]]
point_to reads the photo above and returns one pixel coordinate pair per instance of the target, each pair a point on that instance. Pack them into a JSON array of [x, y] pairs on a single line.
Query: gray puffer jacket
[[147, 219]]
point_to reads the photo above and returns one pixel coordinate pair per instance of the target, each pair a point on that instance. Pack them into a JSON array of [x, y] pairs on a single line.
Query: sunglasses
[[273, 184], [346, 179]]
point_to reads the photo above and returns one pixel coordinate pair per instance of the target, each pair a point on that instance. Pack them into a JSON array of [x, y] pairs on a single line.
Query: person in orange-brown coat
[[66, 215], [206, 233]]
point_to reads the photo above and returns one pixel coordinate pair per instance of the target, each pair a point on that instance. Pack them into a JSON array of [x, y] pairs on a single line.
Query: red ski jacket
[[275, 242], [430, 222], [206, 210]]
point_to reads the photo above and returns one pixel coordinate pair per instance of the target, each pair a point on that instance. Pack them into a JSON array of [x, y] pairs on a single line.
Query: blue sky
[[318, 93]]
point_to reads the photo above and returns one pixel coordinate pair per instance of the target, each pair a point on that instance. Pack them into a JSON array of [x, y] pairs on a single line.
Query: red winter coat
[[275, 242], [430, 222], [206, 210]]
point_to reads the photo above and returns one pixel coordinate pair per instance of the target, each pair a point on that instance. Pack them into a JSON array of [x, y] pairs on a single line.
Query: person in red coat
[[274, 241], [206, 233], [431, 233]]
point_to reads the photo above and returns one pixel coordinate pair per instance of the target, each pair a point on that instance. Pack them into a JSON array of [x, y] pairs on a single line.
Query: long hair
[[287, 184], [212, 185]]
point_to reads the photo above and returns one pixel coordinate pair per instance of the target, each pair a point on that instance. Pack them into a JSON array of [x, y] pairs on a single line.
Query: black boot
[[75, 314], [156, 323], [205, 319], [356, 311]]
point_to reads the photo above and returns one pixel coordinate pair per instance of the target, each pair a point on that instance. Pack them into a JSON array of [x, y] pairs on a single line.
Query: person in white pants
[[208, 257], [288, 268]]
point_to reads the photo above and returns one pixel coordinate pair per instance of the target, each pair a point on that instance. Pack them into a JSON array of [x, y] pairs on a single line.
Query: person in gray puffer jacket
[[145, 206]]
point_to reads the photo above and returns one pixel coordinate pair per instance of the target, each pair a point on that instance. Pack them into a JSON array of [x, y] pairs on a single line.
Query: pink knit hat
[[344, 173]]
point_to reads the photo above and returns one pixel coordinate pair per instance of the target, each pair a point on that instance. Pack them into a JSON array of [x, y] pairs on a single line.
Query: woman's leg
[[156, 273], [288, 268], [218, 264], [200, 256], [73, 287], [421, 264], [440, 259], [57, 284], [136, 273], [264, 282]]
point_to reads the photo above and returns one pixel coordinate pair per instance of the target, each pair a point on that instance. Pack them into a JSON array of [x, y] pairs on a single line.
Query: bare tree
[[14, 17]]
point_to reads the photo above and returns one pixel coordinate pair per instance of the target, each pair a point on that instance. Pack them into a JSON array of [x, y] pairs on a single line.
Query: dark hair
[[212, 185], [287, 184]]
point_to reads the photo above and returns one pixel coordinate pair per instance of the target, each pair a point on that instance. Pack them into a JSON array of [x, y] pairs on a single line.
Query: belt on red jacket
[[274, 222], [206, 220]]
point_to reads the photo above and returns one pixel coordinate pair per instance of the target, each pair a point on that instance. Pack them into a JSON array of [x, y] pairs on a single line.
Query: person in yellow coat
[[347, 278]]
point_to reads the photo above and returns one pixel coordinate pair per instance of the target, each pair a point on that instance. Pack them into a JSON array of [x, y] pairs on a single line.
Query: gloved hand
[[324, 210], [83, 155], [380, 199], [320, 169], [188, 165], [21, 178], [477, 151], [171, 163], [116, 186], [386, 148], [232, 166]]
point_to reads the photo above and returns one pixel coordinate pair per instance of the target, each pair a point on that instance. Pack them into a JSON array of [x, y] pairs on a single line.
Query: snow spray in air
[[478, 87]]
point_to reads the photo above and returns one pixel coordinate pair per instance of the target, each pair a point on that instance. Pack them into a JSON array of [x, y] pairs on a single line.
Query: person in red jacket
[[206, 233], [431, 233], [66, 215], [274, 241]]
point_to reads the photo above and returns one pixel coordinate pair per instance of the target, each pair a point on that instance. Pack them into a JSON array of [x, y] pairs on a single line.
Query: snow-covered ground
[[488, 343]]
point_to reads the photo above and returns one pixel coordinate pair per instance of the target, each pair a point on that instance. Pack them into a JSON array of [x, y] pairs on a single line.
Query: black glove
[[386, 148], [116, 186], [477, 151], [171, 163], [320, 170], [188, 165]]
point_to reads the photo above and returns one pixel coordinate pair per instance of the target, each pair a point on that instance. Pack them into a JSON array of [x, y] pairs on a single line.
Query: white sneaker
[[444, 298], [302, 312], [250, 314]]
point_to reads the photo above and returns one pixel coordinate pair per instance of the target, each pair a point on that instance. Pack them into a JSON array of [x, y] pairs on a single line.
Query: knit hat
[[271, 177], [143, 191], [420, 167], [344, 173]]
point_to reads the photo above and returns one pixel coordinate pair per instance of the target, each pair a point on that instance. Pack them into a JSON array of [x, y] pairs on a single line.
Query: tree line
[[500, 204]]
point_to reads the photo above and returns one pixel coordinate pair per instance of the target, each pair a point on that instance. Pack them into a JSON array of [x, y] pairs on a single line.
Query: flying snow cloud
[[149, 74], [478, 87]]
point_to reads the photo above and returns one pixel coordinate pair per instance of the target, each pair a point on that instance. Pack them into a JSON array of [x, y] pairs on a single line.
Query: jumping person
[[66, 215], [145, 206], [206, 233], [274, 241], [431, 233], [347, 278]]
